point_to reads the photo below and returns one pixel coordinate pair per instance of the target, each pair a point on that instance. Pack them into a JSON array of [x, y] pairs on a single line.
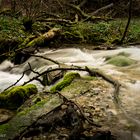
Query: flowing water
[[129, 77]]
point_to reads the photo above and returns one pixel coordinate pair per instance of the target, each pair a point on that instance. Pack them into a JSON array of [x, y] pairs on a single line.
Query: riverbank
[[102, 35]]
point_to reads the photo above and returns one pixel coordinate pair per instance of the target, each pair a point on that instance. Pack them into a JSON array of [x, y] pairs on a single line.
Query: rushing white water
[[7, 79], [128, 76]]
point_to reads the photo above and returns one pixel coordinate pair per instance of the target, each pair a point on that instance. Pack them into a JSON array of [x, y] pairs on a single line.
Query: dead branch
[[60, 21], [46, 58], [41, 81], [46, 14], [77, 9], [50, 70], [84, 15], [102, 9], [17, 80], [92, 72], [79, 108]]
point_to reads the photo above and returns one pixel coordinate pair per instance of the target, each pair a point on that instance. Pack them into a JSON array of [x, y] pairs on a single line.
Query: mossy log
[[45, 38]]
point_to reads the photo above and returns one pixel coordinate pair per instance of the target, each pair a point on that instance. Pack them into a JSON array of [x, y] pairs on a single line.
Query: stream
[[128, 112]]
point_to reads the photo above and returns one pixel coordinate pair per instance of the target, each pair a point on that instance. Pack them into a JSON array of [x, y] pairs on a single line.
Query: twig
[[102, 8], [17, 80], [46, 58], [81, 111], [55, 69], [36, 73]]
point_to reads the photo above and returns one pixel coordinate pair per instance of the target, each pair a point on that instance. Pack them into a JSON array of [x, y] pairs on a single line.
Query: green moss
[[16, 96], [22, 120], [68, 78], [120, 61], [78, 86], [37, 41]]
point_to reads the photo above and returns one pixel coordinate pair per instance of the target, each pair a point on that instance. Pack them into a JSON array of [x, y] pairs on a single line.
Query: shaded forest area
[[99, 22]]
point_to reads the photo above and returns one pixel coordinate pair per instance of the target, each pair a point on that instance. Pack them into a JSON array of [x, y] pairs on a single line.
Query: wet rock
[[26, 117], [16, 96], [121, 61], [5, 115]]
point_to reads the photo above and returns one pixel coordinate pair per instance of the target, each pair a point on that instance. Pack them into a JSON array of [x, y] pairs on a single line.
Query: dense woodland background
[[97, 22]]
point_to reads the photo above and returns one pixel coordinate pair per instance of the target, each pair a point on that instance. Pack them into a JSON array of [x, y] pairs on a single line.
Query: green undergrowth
[[13, 34], [66, 81], [16, 96], [11, 28], [102, 32]]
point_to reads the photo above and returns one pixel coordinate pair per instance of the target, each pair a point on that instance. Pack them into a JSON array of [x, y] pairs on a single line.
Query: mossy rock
[[25, 118], [15, 97], [78, 87], [120, 61], [68, 78]]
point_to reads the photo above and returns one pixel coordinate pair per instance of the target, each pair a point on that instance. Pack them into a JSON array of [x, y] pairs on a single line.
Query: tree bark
[[128, 22]]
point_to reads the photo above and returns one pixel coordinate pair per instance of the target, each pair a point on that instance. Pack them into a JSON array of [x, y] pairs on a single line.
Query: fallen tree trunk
[[31, 44], [45, 38]]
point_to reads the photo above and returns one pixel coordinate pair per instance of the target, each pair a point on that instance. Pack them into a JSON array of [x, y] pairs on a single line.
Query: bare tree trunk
[[128, 22], [13, 6]]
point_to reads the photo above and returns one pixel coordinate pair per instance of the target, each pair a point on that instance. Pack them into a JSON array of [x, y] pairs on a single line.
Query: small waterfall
[[7, 79]]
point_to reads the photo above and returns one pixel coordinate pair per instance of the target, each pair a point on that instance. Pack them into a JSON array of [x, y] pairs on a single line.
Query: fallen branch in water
[[17, 80], [92, 72], [109, 79], [46, 58]]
